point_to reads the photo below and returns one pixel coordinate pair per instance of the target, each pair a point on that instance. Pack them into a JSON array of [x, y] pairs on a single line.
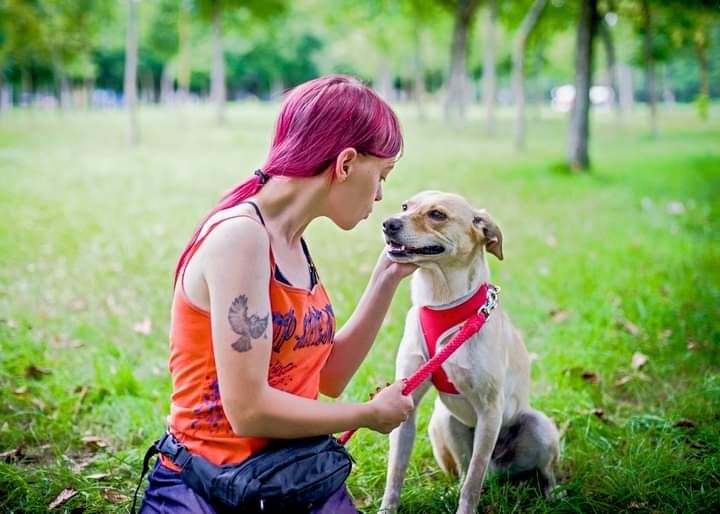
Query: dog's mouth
[[396, 249]]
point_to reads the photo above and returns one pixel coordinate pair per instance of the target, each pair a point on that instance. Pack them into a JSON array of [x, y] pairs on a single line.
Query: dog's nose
[[392, 226]]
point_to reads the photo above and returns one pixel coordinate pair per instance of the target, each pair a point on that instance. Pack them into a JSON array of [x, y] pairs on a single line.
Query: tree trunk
[[612, 77], [65, 92], [183, 72], [217, 79], [703, 100], [457, 81], [89, 88], [384, 81], [5, 95], [518, 71], [649, 66], [419, 82], [489, 67], [166, 85], [579, 128], [130, 86]]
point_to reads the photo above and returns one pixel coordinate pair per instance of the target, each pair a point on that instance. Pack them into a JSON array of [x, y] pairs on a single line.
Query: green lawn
[[597, 267]]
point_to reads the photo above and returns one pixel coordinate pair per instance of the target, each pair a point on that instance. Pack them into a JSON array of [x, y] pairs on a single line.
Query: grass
[[598, 267]]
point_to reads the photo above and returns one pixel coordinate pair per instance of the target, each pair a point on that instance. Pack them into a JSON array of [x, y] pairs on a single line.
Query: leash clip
[[491, 300]]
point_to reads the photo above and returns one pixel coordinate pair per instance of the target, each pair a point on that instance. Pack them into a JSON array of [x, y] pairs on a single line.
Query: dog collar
[[437, 321]]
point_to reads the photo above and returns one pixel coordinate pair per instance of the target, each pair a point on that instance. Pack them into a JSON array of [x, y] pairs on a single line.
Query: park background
[[122, 122]]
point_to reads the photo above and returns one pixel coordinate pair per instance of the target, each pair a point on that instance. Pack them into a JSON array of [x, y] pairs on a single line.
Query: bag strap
[[168, 446], [146, 466]]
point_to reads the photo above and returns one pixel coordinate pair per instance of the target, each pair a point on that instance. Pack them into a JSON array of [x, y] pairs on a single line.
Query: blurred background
[[110, 54], [589, 129]]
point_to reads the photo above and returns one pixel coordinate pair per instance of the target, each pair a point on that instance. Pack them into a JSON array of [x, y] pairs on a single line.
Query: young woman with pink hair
[[253, 338]]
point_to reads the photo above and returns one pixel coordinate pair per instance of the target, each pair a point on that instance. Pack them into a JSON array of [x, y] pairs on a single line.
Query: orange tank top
[[303, 326]]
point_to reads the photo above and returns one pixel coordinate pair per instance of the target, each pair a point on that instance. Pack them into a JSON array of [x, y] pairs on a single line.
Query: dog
[[485, 421]]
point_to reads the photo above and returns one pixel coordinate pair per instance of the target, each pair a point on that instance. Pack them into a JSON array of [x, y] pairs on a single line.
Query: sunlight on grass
[[597, 267]]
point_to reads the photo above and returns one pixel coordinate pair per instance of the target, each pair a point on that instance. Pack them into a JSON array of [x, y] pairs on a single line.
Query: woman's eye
[[437, 215], [404, 206]]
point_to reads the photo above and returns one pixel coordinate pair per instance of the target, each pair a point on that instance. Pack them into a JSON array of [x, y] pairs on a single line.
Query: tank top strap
[[212, 227]]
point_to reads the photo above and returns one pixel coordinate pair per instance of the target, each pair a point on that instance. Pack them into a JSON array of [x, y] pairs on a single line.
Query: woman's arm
[[354, 340], [237, 272]]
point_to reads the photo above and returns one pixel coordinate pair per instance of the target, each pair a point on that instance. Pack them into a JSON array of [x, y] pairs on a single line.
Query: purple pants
[[168, 494]]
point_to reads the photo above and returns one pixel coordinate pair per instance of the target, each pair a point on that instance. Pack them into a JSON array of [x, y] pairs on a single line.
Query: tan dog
[[490, 423]]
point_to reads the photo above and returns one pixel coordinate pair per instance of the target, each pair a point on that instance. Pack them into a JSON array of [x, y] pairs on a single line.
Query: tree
[[579, 127], [489, 78], [130, 82], [213, 10], [647, 25], [605, 33], [518, 71], [455, 102]]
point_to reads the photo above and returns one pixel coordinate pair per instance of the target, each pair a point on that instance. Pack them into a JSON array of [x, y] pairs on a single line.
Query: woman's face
[[356, 187]]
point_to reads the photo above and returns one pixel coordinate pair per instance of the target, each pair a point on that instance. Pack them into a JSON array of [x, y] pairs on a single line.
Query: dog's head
[[440, 227]]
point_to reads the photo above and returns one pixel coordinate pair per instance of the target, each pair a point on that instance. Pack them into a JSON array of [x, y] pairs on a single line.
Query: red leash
[[470, 327]]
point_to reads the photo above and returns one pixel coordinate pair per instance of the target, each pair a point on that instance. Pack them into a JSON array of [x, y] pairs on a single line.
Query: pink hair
[[317, 121]]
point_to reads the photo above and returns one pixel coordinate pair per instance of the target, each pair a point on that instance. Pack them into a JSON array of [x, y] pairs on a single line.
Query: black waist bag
[[292, 476]]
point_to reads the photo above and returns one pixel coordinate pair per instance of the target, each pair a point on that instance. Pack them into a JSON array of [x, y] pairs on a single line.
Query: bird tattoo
[[246, 327]]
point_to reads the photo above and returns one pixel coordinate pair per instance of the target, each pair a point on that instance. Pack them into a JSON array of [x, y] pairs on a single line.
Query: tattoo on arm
[[246, 327]]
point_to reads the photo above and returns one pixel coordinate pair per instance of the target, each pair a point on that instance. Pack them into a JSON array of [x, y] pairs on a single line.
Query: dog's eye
[[404, 206], [437, 215]]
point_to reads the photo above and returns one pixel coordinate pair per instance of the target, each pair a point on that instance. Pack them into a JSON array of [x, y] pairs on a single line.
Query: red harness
[[472, 313], [438, 321]]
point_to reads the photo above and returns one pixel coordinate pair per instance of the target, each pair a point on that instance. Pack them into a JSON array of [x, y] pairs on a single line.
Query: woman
[[252, 335]]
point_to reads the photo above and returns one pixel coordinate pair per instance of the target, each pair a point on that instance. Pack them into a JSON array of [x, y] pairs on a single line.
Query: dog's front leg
[[486, 434], [402, 440]]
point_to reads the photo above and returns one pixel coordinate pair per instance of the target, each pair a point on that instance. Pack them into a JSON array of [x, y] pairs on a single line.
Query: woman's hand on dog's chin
[[393, 271]]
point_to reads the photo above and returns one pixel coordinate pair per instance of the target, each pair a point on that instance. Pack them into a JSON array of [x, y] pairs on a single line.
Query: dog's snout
[[392, 226]]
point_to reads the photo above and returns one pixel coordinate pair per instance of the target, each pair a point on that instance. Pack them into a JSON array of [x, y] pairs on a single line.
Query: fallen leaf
[[37, 402], [590, 376], [35, 372], [78, 304], [623, 380], [698, 445], [82, 393], [93, 440], [97, 476], [558, 315], [21, 390], [61, 498], [693, 346], [113, 496], [685, 423], [16, 453], [143, 327], [114, 307], [638, 360], [629, 326], [64, 342]]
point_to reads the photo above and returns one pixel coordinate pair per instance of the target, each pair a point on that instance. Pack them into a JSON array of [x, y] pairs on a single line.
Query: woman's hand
[[389, 408], [396, 271]]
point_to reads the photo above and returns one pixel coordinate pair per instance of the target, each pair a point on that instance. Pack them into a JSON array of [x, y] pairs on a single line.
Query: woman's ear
[[344, 162], [489, 232]]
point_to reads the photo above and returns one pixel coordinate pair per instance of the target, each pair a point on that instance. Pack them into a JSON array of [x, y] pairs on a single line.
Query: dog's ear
[[489, 233]]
